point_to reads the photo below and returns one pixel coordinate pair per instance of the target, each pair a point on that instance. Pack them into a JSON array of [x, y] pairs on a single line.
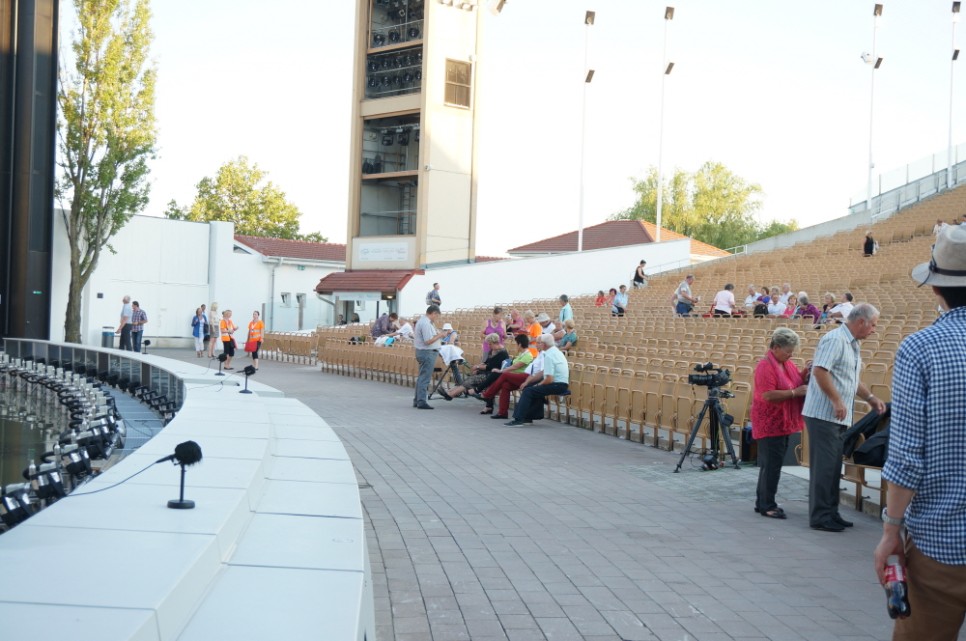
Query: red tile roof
[[613, 233], [389, 280], [281, 247]]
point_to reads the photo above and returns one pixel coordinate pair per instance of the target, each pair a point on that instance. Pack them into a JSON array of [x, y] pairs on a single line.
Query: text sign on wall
[[358, 295], [384, 252]]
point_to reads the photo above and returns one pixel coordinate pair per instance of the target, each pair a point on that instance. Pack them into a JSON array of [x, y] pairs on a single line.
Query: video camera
[[717, 378]]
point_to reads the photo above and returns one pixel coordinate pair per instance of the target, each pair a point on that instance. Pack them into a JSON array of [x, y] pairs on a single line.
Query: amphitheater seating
[[629, 375]]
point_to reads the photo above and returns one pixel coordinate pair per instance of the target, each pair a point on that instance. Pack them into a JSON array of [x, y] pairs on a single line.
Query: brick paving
[[553, 533]]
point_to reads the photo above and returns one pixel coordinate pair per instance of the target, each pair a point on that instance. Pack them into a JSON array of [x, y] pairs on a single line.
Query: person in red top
[[255, 329], [776, 412]]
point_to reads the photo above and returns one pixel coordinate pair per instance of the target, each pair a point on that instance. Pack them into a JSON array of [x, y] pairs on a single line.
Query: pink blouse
[[784, 417]]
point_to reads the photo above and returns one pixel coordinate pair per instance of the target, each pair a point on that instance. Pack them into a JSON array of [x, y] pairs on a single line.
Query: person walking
[[226, 328], [124, 326], [828, 411], [214, 330], [197, 330], [255, 330], [426, 341], [139, 319], [776, 413], [684, 299], [640, 278], [927, 480]]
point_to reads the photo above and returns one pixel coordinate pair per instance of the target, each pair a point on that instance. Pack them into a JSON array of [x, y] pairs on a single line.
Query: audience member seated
[[939, 226], [527, 360], [569, 338], [452, 338], [601, 299], [484, 373], [404, 330], [546, 325], [791, 307], [553, 379], [494, 325], [383, 325], [808, 310], [751, 299], [764, 296], [840, 312], [619, 304], [775, 305], [724, 301], [785, 293], [517, 324]]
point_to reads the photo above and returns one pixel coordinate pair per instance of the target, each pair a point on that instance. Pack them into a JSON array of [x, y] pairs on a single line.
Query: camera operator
[[776, 412]]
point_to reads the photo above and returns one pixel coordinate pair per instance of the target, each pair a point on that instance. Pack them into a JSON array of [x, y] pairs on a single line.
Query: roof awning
[[384, 281]]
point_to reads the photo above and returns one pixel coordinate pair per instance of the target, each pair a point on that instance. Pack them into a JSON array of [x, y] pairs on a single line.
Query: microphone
[[187, 453]]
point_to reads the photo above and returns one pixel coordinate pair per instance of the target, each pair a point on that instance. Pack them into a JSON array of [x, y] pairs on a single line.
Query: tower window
[[458, 83]]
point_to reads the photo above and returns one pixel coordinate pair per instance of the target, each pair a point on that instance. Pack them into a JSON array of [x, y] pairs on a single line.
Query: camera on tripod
[[718, 378]]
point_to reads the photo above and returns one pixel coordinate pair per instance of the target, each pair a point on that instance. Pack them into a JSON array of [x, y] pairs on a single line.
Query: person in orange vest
[[227, 327], [255, 330]]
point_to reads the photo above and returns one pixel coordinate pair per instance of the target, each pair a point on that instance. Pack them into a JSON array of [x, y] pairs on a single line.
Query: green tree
[[239, 193], [713, 205], [106, 134]]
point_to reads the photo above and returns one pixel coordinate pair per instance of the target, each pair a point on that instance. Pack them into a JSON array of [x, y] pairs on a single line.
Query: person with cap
[[925, 472], [619, 304], [452, 337], [546, 325], [426, 343], [828, 412]]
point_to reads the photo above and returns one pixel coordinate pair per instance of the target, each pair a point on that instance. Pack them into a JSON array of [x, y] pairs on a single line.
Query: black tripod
[[718, 423]]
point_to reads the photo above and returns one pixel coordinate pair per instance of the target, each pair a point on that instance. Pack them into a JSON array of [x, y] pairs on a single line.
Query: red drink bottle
[[897, 597]]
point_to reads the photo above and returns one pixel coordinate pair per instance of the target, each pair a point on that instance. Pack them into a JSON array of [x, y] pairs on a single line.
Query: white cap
[[447, 326]]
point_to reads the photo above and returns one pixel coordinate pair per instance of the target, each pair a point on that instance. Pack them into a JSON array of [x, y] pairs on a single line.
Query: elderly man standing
[[828, 412], [685, 300], [927, 480], [124, 327], [426, 341], [554, 379]]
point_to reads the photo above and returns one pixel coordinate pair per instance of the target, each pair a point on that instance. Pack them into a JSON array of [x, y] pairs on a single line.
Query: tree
[[106, 134], [239, 194], [712, 205]]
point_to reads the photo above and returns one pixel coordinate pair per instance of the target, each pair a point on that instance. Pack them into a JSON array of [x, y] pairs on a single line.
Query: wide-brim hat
[[543, 318], [447, 326], [948, 265]]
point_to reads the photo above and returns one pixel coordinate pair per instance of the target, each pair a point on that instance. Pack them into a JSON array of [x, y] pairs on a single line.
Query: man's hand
[[890, 543], [840, 411], [878, 405]]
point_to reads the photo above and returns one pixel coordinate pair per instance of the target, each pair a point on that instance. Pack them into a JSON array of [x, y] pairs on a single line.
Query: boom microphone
[[187, 453]]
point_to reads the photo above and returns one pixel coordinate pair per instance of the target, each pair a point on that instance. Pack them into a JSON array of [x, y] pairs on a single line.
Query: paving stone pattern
[[485, 532]]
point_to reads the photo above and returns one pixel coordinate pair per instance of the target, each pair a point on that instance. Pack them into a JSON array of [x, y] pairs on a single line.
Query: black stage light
[[372, 65], [378, 40], [185, 454], [49, 485], [403, 136], [408, 79], [371, 82], [387, 137], [15, 505], [248, 371], [419, 75], [394, 36], [76, 461], [413, 33], [385, 62]]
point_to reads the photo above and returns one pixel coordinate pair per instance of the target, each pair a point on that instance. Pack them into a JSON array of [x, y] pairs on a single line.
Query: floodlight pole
[[952, 78], [589, 18], [668, 16], [875, 62]]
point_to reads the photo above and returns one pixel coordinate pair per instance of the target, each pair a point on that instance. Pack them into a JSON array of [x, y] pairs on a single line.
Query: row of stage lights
[[95, 429]]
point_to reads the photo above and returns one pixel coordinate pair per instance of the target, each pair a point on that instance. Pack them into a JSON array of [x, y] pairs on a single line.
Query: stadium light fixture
[[952, 78], [589, 18], [668, 17]]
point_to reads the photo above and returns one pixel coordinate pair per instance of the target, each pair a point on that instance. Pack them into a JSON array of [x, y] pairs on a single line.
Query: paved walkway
[[485, 532]]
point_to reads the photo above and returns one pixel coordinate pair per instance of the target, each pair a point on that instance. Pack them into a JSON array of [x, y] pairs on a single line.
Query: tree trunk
[[72, 322]]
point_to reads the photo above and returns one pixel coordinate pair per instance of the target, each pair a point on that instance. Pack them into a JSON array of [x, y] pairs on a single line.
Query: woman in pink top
[[494, 325], [776, 412]]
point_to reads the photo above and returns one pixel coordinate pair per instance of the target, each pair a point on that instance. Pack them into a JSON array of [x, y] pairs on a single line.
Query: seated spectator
[[383, 325], [785, 293], [869, 247], [808, 310], [601, 299], [404, 330], [494, 325], [724, 301], [534, 328], [828, 302], [452, 338], [791, 307], [511, 376], [751, 298], [546, 325], [840, 312], [517, 324], [553, 379], [609, 301], [484, 373], [764, 297], [775, 305], [939, 226], [619, 305], [569, 339]]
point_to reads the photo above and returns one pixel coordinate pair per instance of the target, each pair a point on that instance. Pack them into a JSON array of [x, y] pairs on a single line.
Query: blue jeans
[[535, 394], [136, 337], [684, 309], [426, 359]]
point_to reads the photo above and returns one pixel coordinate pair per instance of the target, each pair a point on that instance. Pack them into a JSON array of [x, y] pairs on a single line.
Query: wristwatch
[[890, 520]]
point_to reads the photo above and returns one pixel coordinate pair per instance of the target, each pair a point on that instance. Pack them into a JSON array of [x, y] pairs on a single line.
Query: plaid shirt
[[138, 316], [927, 436]]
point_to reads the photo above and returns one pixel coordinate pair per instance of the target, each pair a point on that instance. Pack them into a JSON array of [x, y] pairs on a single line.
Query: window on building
[[287, 299], [458, 76]]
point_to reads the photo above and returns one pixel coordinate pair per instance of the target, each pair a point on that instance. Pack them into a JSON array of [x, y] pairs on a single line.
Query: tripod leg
[[727, 437], [694, 433]]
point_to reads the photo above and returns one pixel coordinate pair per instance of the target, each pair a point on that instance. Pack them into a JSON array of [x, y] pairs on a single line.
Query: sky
[[776, 91]]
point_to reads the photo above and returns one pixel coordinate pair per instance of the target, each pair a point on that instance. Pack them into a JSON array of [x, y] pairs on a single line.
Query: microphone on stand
[[185, 454]]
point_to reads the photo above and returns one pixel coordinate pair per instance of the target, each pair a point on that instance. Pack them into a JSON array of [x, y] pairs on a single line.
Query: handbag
[[250, 346]]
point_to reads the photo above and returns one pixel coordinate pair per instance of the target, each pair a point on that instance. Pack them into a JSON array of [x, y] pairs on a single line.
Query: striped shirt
[[838, 352], [927, 436], [425, 332]]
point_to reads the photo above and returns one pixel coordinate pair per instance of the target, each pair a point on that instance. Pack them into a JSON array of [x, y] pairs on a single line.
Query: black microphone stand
[[181, 503]]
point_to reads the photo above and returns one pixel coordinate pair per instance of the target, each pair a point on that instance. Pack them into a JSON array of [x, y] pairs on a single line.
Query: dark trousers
[[771, 454], [125, 342], [136, 337], [824, 469], [535, 394]]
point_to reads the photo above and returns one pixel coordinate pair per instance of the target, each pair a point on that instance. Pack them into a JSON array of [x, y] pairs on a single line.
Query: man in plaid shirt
[[925, 467], [138, 319]]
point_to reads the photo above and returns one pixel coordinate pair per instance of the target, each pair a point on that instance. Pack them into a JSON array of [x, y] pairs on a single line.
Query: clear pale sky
[[776, 91]]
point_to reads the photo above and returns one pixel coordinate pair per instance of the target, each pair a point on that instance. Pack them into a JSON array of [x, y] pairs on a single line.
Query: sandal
[[443, 393], [488, 410], [777, 513]]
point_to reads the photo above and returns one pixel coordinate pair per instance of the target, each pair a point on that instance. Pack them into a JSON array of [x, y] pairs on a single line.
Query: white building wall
[[574, 274], [171, 267]]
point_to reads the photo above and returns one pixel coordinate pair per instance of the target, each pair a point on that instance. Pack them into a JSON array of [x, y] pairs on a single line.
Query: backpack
[[874, 450], [760, 310]]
